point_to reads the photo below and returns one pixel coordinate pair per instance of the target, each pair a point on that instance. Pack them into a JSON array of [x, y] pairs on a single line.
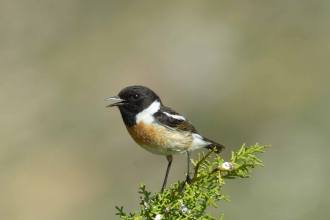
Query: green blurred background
[[241, 71]]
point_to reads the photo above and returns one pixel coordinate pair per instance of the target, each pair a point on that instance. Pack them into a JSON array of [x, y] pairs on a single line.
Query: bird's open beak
[[121, 101]]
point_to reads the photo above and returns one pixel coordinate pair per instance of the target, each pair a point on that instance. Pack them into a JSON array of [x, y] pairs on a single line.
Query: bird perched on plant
[[159, 129]]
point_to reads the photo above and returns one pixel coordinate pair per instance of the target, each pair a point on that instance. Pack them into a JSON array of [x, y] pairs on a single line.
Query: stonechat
[[159, 129]]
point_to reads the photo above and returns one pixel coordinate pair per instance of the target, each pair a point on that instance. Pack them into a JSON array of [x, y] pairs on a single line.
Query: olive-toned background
[[241, 71]]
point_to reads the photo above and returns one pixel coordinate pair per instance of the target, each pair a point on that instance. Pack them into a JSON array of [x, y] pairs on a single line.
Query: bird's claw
[[189, 181]]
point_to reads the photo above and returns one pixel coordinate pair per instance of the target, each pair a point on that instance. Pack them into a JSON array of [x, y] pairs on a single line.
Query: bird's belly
[[158, 139]]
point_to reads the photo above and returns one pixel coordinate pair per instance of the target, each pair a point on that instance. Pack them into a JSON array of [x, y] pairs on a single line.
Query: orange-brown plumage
[[160, 140], [147, 134]]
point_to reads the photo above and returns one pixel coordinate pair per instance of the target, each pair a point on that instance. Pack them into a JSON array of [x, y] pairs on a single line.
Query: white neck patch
[[146, 116]]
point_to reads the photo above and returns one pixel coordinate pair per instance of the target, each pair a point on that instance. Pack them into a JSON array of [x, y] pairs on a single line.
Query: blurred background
[[242, 72]]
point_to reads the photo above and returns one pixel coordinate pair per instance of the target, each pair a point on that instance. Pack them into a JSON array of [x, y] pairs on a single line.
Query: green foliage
[[203, 192]]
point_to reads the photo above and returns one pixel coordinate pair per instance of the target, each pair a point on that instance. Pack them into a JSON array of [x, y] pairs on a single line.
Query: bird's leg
[[188, 179], [169, 159]]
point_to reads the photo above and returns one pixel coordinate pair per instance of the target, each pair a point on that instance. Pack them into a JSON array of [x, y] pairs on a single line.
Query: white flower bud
[[184, 209], [227, 166], [158, 217]]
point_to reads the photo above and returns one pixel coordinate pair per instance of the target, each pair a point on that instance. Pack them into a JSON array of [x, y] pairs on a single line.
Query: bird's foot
[[156, 196], [188, 180], [153, 197]]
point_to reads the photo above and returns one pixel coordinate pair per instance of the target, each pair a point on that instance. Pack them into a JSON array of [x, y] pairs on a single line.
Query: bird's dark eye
[[135, 97]]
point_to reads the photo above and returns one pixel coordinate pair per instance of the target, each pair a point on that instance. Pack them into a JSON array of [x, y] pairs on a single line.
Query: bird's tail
[[212, 145]]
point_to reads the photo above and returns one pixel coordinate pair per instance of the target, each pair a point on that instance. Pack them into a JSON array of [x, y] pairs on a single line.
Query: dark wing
[[173, 120]]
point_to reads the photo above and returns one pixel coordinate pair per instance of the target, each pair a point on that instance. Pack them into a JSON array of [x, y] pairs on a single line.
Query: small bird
[[159, 129]]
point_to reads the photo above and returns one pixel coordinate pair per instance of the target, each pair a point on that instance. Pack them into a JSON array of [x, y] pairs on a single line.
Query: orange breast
[[160, 140], [148, 134]]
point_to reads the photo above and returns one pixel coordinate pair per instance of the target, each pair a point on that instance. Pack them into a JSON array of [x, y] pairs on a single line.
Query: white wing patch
[[179, 117], [198, 142], [146, 116]]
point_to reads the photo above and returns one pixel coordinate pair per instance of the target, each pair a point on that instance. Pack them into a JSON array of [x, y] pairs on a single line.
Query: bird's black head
[[132, 101]]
